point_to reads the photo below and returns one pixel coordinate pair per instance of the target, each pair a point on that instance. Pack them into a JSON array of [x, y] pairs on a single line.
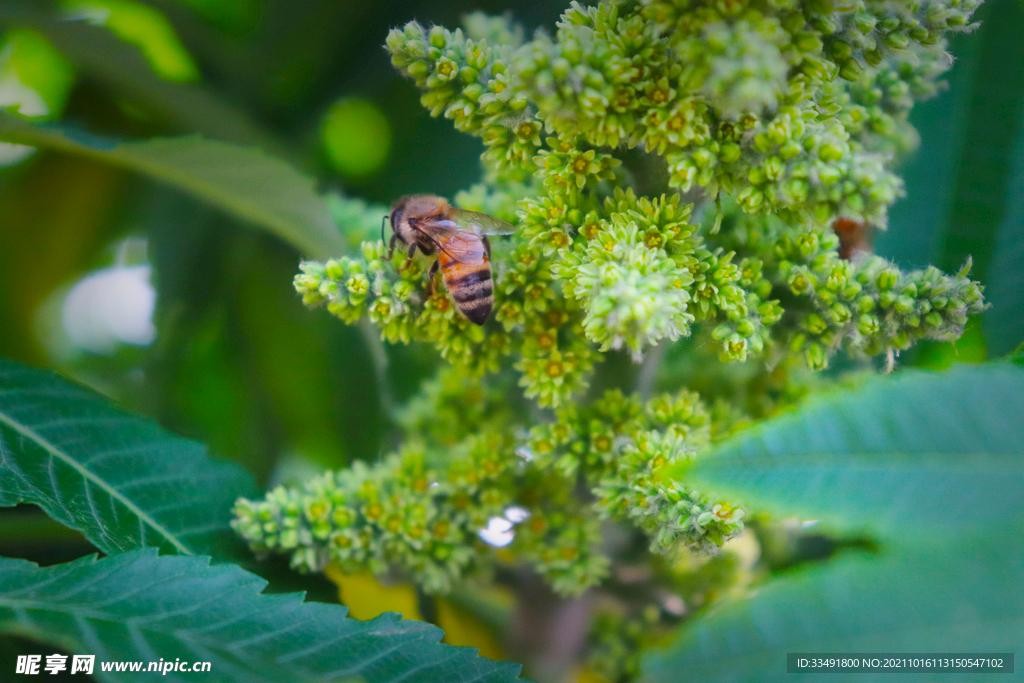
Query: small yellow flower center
[[556, 318], [526, 129], [580, 165], [659, 96], [554, 369], [546, 341]]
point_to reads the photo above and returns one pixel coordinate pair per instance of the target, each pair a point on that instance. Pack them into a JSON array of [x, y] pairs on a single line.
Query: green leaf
[[965, 598], [1005, 289], [994, 118], [899, 457], [140, 607], [120, 480], [965, 185], [242, 181], [917, 222], [933, 463]]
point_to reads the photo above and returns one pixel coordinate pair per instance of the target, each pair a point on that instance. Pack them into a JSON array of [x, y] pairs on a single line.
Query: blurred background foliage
[[180, 312]]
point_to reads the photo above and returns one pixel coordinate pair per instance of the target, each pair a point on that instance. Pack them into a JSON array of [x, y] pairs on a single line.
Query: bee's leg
[[412, 253], [391, 247], [487, 246], [431, 274]]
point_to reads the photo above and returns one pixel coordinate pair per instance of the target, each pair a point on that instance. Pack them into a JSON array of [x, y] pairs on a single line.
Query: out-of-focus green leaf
[[29, 58], [145, 28], [994, 117], [121, 70], [1004, 322], [304, 364], [234, 16], [960, 598], [903, 457], [918, 220], [965, 185], [933, 463], [140, 607], [243, 181], [120, 480]]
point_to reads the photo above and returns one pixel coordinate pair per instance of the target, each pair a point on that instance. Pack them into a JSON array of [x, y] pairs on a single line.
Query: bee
[[459, 239]]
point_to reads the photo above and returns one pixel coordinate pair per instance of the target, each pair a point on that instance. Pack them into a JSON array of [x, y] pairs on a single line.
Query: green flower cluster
[[866, 304], [671, 168], [616, 643], [421, 511], [622, 447], [874, 107], [735, 95], [669, 511], [395, 300]]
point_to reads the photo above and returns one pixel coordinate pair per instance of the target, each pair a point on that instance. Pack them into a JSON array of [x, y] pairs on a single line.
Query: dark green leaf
[[994, 119], [900, 456], [964, 598], [918, 220], [121, 480], [242, 181], [934, 464], [965, 185], [1004, 322], [140, 607]]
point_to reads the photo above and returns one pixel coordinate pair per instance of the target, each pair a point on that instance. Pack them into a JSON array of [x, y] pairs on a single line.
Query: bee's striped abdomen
[[470, 287]]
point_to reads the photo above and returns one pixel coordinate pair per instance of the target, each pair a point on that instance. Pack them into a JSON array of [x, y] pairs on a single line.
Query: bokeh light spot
[[110, 307], [356, 137]]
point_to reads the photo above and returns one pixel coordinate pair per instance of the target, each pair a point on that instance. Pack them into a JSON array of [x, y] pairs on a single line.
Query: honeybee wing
[[481, 223], [459, 243], [465, 247]]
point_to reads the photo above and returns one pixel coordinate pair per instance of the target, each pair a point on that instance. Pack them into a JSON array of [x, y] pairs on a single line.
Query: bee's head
[[397, 211], [399, 220]]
